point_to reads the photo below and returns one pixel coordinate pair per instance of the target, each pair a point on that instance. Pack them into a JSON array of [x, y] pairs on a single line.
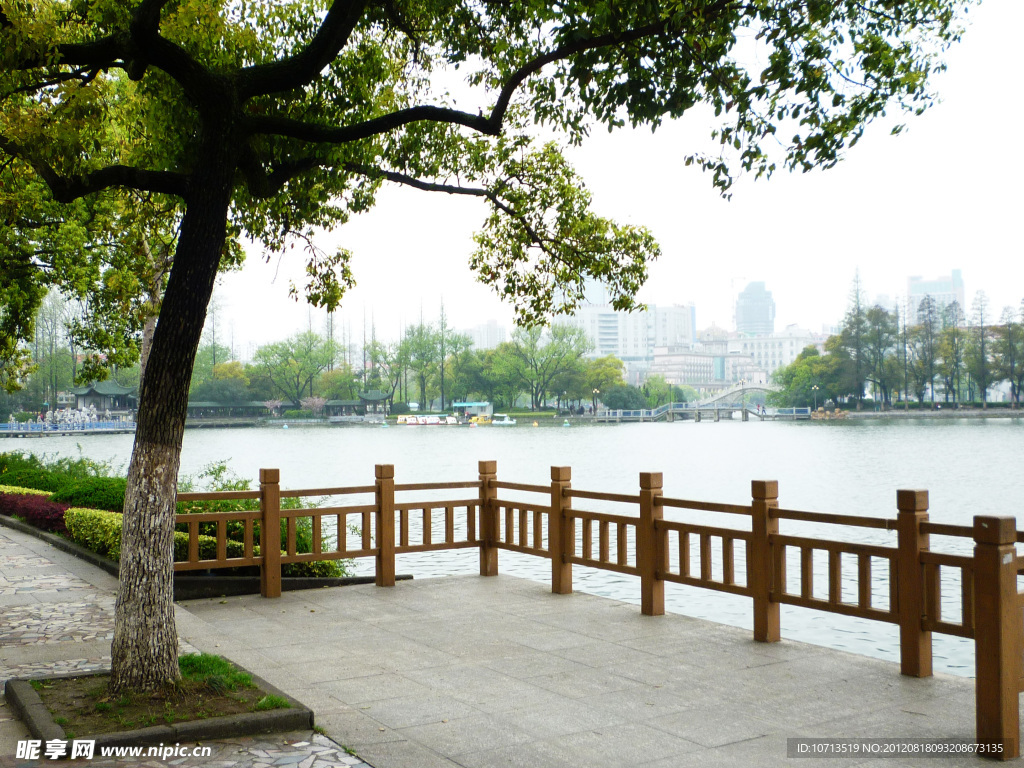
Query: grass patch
[[210, 687]]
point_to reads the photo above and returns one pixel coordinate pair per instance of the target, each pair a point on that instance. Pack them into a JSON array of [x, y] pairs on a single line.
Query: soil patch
[[210, 687]]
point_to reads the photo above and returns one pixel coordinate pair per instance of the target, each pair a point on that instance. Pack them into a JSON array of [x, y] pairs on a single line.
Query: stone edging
[[37, 718]]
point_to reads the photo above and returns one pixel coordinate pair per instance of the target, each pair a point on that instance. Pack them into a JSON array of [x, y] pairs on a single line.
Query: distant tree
[[537, 356], [227, 384], [952, 342], [625, 398], [1008, 348], [979, 347], [603, 374], [926, 343], [294, 364], [853, 342], [880, 340], [339, 383]]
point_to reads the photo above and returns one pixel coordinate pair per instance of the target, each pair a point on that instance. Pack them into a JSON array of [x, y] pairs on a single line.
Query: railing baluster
[[603, 528], [524, 532], [247, 536], [538, 529], [728, 574], [621, 542], [403, 527], [510, 528], [705, 557], [449, 524], [193, 542], [864, 581], [290, 529], [807, 572], [967, 598], [222, 540], [317, 542], [684, 554], [835, 577], [588, 539]]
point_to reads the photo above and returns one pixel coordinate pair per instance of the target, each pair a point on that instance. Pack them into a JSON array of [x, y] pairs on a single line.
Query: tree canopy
[[269, 119]]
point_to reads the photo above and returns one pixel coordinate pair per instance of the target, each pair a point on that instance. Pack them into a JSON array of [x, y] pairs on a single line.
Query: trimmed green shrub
[[23, 491], [96, 530], [207, 547], [298, 414], [39, 479], [94, 493]]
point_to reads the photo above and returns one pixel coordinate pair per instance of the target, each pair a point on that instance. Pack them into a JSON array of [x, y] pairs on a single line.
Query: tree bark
[[145, 645]]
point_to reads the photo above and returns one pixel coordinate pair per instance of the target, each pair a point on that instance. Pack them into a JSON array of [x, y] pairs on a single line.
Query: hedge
[[40, 479], [36, 510], [96, 530], [22, 491], [95, 493], [100, 531]]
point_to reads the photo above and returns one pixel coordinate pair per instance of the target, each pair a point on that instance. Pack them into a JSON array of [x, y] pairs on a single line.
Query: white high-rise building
[[632, 336], [488, 335]]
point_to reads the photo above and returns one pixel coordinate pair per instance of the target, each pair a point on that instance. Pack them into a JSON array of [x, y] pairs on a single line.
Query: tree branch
[[65, 189], [299, 70], [489, 126]]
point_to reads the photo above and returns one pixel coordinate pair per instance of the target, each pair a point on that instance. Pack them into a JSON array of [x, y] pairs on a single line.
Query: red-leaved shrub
[[37, 511]]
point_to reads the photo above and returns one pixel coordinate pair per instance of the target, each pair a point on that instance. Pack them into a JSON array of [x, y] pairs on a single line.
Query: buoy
[[285, 426], [536, 424], [566, 423]]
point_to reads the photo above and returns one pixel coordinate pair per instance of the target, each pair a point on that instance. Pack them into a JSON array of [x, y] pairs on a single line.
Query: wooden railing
[[754, 560]]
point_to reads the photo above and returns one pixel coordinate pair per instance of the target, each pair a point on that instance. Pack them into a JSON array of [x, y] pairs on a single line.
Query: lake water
[[969, 467]]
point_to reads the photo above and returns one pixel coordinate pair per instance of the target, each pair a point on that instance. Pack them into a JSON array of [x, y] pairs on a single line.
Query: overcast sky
[[944, 195]]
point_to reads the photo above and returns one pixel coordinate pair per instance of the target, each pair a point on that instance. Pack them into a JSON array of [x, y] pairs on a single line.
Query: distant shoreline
[[944, 413]]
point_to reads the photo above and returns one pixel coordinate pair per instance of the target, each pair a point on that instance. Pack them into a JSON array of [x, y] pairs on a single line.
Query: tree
[[227, 384], [294, 364], [853, 342], [625, 398], [267, 119], [881, 334], [951, 351], [926, 343], [603, 374], [536, 357], [1009, 351], [979, 347]]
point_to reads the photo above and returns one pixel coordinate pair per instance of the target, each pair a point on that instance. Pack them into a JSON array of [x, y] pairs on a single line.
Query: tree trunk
[[145, 645]]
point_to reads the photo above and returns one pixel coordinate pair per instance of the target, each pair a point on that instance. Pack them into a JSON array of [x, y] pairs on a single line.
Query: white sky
[[944, 195]]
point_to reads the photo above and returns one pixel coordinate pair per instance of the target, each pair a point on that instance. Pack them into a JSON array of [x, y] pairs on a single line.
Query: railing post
[[760, 571], [650, 547], [997, 635], [270, 532], [385, 501], [488, 519], [915, 642], [561, 532]]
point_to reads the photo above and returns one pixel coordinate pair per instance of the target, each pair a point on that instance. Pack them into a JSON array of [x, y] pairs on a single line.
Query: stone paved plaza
[[58, 617], [498, 672]]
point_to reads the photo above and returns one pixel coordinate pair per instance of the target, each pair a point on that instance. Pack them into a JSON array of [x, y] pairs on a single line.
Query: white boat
[[502, 420]]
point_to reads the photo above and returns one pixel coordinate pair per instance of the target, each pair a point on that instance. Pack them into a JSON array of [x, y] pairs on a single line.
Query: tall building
[[632, 336], [755, 311], [943, 290], [488, 335]]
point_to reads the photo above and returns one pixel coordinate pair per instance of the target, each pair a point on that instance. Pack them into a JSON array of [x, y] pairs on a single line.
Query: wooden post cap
[[270, 475], [764, 489], [384, 471], [488, 467], [995, 530], [561, 474], [911, 500], [650, 481]]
